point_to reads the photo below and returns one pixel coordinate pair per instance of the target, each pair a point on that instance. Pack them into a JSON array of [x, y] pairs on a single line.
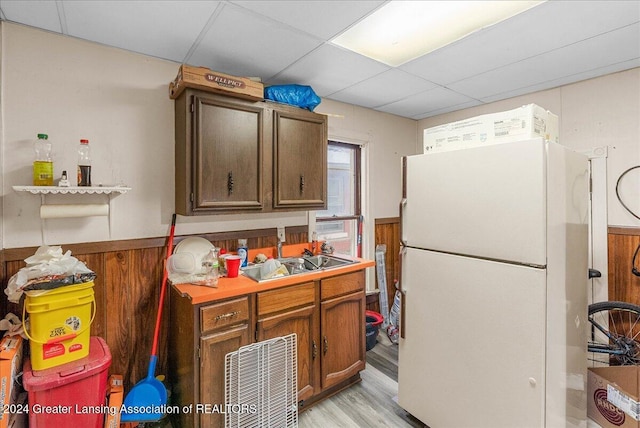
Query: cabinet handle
[[230, 182], [302, 184], [227, 315], [326, 346], [314, 352]]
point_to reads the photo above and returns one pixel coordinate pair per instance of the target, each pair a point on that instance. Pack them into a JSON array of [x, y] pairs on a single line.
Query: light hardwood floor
[[370, 403]]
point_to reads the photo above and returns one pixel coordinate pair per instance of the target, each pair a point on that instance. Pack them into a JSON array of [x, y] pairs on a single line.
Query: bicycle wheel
[[614, 333]]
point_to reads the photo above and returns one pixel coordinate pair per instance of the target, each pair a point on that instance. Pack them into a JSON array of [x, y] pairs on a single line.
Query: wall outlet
[[281, 235]]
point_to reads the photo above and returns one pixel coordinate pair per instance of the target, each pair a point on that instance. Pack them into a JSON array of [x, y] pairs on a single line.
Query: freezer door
[[483, 201], [474, 348]]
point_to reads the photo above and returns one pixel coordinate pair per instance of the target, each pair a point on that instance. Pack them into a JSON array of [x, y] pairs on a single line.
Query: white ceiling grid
[[555, 43]]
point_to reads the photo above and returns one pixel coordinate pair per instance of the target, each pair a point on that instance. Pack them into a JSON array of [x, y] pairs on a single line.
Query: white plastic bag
[[48, 268]]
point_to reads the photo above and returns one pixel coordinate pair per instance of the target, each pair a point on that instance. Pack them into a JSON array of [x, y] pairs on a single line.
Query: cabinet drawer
[[224, 313], [343, 284], [286, 298]]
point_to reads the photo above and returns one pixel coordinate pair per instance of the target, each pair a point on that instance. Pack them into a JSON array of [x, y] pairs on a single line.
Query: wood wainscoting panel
[[623, 285], [95, 262], [387, 231], [127, 291]]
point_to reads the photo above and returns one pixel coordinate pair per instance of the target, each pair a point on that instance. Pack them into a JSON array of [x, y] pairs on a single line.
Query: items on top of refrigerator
[[522, 123]]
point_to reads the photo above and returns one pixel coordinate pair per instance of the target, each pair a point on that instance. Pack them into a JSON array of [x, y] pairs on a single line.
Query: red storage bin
[[70, 395]]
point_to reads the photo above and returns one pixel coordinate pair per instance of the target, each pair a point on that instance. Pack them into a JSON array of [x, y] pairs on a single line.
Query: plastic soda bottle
[[243, 252], [43, 163], [84, 164], [210, 267]]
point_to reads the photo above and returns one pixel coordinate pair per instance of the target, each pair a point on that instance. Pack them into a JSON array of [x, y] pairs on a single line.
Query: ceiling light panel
[[403, 30]]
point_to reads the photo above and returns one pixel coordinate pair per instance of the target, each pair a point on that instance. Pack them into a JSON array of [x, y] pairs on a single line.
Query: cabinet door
[[227, 154], [300, 159], [303, 323], [213, 349], [343, 338]]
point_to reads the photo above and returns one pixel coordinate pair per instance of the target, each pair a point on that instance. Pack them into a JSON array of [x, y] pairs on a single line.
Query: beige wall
[[600, 112], [73, 89]]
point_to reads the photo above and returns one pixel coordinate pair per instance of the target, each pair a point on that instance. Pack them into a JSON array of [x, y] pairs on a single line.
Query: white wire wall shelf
[[73, 210]]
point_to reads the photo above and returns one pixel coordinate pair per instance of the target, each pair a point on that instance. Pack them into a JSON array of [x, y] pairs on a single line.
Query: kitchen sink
[[299, 266], [324, 261]]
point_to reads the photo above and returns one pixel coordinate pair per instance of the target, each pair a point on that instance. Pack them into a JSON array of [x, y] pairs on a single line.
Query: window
[[339, 225]]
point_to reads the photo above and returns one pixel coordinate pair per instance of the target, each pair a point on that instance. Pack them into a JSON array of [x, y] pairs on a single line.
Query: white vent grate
[[261, 384]]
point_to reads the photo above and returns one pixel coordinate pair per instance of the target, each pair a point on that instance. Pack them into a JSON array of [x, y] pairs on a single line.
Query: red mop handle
[[156, 333]]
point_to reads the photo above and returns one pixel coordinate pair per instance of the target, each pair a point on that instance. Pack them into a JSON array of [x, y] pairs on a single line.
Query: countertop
[[232, 287]]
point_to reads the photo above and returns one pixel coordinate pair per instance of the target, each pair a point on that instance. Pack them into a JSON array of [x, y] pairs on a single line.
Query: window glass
[[338, 225]]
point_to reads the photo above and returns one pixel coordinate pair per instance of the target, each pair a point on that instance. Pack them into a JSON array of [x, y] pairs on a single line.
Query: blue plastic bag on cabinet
[[296, 95]]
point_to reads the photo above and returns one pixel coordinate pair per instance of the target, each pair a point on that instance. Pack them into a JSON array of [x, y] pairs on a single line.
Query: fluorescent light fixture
[[403, 30]]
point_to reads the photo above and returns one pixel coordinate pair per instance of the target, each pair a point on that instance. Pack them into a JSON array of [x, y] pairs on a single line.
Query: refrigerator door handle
[[403, 204], [403, 291]]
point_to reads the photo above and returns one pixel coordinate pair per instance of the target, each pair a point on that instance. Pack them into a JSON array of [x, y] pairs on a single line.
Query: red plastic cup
[[233, 266]]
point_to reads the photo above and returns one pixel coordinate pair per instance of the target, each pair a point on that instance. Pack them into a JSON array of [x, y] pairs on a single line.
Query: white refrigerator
[[494, 287]]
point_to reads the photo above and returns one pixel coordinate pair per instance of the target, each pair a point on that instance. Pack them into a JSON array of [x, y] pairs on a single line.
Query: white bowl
[[198, 247]]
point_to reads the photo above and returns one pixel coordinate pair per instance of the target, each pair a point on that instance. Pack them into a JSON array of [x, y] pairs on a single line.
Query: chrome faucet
[[279, 248], [326, 248]]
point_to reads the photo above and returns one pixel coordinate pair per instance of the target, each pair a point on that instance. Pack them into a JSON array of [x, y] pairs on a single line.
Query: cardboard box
[[213, 81], [116, 397], [523, 123], [10, 366], [612, 394], [20, 419]]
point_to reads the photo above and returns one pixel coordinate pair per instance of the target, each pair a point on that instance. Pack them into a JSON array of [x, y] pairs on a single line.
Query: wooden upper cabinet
[[219, 154], [234, 155], [300, 159], [228, 149]]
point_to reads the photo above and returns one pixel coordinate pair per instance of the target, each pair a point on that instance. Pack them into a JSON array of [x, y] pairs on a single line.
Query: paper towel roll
[[73, 210]]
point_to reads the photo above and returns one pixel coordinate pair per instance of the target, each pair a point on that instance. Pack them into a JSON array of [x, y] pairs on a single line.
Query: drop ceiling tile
[[323, 19], [434, 99], [597, 52], [330, 69], [549, 26], [565, 80], [245, 44], [165, 29], [449, 109], [38, 13], [382, 89], [556, 43]]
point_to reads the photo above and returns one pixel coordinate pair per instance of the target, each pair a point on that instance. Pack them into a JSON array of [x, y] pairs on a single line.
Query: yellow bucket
[[59, 324]]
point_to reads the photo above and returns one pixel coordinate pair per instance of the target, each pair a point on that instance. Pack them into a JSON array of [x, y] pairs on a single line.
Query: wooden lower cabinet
[[342, 326], [293, 310], [326, 315], [343, 338], [199, 338], [213, 349]]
